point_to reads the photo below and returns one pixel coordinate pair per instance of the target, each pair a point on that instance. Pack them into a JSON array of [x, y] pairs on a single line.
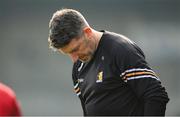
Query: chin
[[85, 60]]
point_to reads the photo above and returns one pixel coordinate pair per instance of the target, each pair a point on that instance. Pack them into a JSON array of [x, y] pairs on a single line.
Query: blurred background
[[42, 78]]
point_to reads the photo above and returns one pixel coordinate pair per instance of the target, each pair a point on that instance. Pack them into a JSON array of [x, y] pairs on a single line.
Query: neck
[[97, 37]]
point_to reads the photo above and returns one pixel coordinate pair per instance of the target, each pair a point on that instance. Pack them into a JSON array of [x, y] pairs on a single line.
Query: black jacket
[[118, 81]]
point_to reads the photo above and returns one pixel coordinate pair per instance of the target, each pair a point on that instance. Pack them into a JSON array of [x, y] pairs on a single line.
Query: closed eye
[[75, 49]]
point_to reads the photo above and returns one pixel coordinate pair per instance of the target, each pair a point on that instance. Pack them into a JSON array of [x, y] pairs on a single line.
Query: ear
[[87, 31]]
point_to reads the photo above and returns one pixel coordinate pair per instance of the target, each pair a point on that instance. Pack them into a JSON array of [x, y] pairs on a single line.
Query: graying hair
[[65, 25]]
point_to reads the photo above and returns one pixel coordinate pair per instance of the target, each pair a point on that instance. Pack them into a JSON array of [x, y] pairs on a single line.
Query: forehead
[[74, 43]]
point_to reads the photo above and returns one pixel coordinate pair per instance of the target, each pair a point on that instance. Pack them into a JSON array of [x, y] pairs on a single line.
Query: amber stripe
[[76, 90], [138, 73]]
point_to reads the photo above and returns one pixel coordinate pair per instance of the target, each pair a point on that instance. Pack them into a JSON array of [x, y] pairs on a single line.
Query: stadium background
[[42, 78]]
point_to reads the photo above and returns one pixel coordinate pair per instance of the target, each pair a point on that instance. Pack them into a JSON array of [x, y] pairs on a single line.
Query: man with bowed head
[[110, 73]]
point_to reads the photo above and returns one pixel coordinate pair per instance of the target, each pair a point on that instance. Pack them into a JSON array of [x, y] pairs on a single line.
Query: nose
[[74, 57]]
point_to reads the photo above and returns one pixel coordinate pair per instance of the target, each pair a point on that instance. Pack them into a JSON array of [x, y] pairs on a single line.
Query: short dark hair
[[65, 25]]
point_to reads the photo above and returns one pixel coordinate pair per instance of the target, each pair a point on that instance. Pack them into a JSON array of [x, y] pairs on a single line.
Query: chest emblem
[[99, 77]]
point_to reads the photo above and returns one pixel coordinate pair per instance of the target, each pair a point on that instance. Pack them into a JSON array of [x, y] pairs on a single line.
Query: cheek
[[86, 49], [83, 49], [91, 48]]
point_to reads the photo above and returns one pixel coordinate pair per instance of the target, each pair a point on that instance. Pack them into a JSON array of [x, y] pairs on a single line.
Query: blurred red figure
[[8, 103]]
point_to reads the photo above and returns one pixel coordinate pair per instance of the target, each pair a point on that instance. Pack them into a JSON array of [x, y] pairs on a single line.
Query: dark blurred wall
[[42, 78]]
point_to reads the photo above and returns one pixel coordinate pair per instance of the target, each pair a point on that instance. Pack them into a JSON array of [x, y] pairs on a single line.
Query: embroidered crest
[[99, 77]]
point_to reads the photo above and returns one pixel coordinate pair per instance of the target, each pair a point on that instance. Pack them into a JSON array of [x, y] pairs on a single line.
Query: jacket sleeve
[[76, 87], [146, 85]]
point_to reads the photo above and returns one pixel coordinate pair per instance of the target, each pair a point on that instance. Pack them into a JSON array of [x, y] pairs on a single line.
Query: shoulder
[[8, 102], [124, 50], [6, 91], [119, 44]]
